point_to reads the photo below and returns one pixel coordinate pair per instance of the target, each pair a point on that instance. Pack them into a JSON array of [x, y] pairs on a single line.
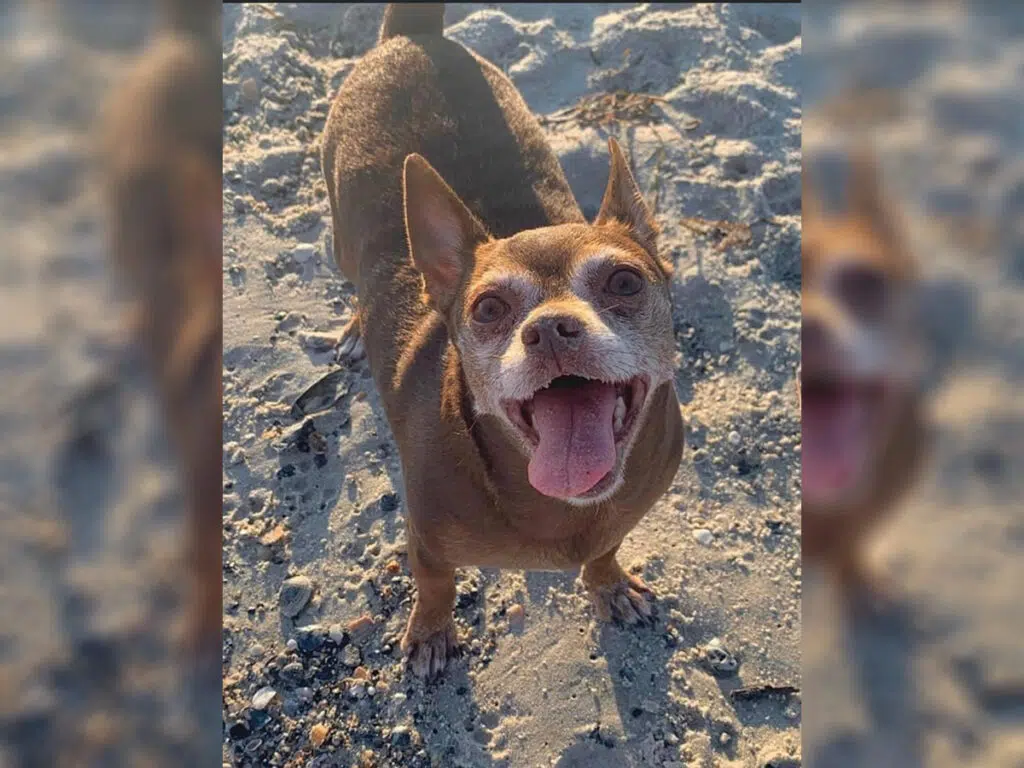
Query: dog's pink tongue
[[834, 443], [577, 441]]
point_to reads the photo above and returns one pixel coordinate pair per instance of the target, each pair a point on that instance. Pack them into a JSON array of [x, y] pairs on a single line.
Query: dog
[[861, 404], [524, 356], [160, 155]]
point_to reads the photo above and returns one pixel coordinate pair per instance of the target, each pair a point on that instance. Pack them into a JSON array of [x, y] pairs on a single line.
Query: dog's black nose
[[556, 330]]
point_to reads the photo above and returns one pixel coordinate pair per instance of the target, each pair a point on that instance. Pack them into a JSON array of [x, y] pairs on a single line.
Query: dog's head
[[860, 341], [563, 332]]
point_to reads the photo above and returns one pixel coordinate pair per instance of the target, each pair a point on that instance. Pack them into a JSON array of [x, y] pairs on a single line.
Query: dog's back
[[417, 92]]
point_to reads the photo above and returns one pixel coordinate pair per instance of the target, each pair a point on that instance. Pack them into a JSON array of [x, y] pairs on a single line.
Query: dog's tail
[[412, 19]]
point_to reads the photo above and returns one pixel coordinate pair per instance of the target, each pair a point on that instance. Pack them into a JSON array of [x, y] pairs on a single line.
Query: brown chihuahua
[[861, 407], [161, 156], [524, 357]]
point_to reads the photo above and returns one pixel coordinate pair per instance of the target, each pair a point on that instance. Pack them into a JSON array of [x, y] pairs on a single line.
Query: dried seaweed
[[605, 109], [725, 234]]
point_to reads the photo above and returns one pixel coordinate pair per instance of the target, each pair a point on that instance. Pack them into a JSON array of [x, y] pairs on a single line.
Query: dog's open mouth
[[577, 426], [839, 416]]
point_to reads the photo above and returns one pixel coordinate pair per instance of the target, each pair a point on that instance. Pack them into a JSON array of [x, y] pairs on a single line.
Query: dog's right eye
[[865, 290], [489, 309]]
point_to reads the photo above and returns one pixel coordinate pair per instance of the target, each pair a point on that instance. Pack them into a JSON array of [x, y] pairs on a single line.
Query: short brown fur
[[497, 203]]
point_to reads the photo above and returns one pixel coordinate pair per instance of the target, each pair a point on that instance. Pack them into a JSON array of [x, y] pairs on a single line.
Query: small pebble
[[292, 644], [318, 734], [359, 628], [734, 438], [352, 657], [704, 537], [274, 537], [400, 736], [295, 595], [303, 253], [294, 672], [337, 633], [516, 616], [250, 89], [310, 638], [262, 698]]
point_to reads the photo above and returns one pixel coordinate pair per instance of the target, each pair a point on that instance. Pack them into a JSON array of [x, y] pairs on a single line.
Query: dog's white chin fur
[[582, 502]]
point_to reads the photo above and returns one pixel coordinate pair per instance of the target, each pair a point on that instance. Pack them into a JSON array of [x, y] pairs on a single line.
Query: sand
[[313, 506], [943, 684]]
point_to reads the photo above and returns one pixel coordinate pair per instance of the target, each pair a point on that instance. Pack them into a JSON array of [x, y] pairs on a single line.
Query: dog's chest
[[536, 544]]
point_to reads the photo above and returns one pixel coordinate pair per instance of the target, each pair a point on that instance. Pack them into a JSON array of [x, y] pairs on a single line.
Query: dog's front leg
[[617, 595], [430, 639]]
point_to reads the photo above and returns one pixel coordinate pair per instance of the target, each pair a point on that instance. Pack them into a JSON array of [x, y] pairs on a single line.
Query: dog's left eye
[[489, 309], [625, 282]]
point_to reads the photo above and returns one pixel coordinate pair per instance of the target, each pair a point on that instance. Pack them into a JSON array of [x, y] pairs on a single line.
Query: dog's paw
[[349, 349], [428, 653], [628, 601]]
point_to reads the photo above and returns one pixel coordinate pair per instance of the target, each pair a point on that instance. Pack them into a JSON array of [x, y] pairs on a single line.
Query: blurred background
[[935, 91], [95, 568]]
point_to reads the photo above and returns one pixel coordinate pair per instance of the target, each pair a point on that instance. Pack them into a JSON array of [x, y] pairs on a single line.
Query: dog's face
[[860, 352], [563, 332]]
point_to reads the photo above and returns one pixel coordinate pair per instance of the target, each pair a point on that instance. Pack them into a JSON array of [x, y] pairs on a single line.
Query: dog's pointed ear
[[442, 231], [623, 203]]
